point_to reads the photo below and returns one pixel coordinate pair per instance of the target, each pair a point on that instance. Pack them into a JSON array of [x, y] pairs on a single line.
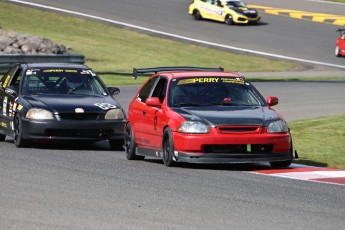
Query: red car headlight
[[278, 127], [193, 127]]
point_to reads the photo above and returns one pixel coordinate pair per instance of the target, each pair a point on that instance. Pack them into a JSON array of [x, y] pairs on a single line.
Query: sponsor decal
[[32, 71], [15, 106], [88, 72], [29, 72], [233, 80], [9, 91], [52, 70], [249, 11], [79, 110], [211, 80], [144, 141], [19, 107], [10, 109], [6, 81], [60, 71], [105, 106], [4, 106]]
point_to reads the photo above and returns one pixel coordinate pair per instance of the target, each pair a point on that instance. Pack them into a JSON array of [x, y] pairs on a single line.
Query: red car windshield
[[205, 91]]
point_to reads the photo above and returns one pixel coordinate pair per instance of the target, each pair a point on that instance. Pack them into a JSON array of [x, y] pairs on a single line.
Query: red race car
[[340, 43], [204, 115]]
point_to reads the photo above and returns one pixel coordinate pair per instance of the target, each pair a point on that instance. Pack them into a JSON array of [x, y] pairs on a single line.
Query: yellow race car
[[227, 11]]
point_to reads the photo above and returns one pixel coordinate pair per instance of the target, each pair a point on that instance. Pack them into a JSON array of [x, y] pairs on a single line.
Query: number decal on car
[[105, 106]]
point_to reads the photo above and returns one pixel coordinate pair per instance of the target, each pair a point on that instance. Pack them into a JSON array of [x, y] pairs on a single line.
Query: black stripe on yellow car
[[309, 16]]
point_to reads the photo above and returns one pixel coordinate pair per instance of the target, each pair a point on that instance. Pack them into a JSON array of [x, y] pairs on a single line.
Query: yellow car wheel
[[228, 20], [197, 15]]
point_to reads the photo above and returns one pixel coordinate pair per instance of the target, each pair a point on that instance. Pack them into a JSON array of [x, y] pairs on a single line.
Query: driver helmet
[[73, 82]]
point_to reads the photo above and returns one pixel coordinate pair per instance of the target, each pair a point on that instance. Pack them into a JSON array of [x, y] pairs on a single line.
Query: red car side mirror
[[272, 101], [153, 102]]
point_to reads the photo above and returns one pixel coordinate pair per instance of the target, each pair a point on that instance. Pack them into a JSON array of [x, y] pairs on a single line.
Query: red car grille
[[239, 129], [237, 149]]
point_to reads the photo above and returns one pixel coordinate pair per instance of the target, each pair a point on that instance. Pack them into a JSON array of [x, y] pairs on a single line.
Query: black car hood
[[244, 10], [229, 115], [69, 103]]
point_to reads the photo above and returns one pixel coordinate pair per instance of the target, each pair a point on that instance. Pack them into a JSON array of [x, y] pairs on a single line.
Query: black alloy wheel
[[18, 139], [168, 148], [130, 146]]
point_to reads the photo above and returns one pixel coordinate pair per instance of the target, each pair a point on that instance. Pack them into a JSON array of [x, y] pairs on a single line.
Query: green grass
[[320, 141], [343, 1]]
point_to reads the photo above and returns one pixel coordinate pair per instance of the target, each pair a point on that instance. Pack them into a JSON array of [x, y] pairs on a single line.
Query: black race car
[[59, 102]]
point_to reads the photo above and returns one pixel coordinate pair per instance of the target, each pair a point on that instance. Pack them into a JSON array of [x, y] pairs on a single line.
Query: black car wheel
[[228, 20], [2, 137], [116, 144], [168, 148], [337, 54], [130, 145], [197, 15], [19, 141]]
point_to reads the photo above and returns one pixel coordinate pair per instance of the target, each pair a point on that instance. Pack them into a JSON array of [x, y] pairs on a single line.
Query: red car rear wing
[[172, 68]]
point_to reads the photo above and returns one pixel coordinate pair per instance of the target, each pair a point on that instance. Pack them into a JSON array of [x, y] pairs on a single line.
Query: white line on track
[[326, 2], [178, 36]]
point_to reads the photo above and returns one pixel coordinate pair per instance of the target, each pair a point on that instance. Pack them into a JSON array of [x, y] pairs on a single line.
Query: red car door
[[143, 117], [152, 122]]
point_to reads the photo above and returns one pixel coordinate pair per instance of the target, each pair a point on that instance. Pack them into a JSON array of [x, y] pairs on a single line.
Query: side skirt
[[157, 153]]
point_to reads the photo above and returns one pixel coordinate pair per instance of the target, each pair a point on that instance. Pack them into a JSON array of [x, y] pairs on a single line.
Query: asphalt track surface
[[87, 186]]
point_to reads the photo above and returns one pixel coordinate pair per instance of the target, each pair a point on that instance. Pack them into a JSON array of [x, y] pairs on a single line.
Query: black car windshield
[[62, 81], [235, 3], [210, 91]]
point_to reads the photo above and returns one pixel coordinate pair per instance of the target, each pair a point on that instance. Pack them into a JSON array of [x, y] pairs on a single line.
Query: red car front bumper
[[232, 148]]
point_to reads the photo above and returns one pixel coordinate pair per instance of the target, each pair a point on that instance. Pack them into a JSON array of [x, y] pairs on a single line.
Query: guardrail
[[6, 60]]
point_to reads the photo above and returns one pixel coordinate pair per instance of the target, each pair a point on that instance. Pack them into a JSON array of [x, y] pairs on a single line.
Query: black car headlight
[[114, 114], [193, 127], [278, 127], [39, 114]]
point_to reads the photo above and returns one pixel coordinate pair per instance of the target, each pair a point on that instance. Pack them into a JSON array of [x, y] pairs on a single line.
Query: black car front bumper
[[90, 130]]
